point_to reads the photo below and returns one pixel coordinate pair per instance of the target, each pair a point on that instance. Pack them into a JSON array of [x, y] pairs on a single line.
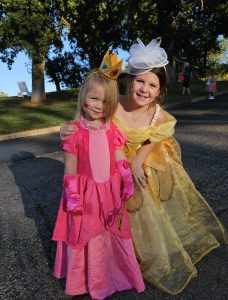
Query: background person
[[186, 80], [212, 87]]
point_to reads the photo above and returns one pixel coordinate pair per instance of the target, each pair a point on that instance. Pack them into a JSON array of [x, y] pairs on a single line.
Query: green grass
[[19, 114]]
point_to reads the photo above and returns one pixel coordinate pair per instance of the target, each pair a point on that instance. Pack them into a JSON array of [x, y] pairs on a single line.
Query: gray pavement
[[28, 147], [30, 189]]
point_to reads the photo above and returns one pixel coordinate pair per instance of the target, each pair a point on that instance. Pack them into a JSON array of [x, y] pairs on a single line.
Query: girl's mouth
[[141, 95]]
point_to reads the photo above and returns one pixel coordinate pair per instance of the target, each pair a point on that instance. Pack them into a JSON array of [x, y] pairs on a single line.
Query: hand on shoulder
[[66, 129]]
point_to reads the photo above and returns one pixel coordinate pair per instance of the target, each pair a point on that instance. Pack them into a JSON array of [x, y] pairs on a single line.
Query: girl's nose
[[99, 106], [143, 88]]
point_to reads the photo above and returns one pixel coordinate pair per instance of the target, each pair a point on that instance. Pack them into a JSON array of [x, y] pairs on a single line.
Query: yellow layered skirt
[[173, 227]]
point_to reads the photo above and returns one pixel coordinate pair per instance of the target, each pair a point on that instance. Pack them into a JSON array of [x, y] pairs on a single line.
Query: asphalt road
[[30, 189]]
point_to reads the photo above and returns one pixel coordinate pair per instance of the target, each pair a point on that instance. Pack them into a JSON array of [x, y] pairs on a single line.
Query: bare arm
[[138, 172], [70, 161], [119, 154]]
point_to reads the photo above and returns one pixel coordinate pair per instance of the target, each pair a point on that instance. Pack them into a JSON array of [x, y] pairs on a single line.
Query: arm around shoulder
[[70, 161]]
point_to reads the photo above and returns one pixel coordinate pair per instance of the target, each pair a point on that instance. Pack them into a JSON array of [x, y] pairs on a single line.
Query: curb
[[29, 133], [56, 129], [194, 100]]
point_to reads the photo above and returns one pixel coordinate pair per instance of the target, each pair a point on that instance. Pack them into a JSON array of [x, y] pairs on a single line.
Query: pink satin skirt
[[107, 264]]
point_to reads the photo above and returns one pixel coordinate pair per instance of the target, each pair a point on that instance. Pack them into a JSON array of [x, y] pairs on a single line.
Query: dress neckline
[[153, 120], [94, 128], [155, 114]]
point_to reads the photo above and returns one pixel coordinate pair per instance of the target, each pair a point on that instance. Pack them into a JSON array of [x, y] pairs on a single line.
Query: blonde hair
[[111, 94]]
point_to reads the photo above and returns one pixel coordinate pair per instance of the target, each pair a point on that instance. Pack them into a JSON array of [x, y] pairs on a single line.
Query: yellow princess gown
[[173, 227]]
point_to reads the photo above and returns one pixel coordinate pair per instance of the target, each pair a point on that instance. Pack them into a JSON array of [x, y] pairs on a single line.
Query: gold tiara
[[110, 66]]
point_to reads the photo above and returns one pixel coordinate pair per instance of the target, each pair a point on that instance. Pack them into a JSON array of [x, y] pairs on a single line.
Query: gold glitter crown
[[110, 66]]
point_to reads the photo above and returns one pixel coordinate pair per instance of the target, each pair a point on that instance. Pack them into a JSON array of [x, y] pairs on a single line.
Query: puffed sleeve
[[163, 131], [72, 142], [119, 139]]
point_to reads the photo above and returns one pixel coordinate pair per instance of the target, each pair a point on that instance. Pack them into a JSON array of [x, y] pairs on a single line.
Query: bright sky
[[21, 71]]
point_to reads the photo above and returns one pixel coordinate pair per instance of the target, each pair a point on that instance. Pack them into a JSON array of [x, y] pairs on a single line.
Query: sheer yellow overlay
[[173, 227]]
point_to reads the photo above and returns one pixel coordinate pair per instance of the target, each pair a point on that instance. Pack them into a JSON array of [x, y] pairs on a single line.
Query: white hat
[[145, 58]]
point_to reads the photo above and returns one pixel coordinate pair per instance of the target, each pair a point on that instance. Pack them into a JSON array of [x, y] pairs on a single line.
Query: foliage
[[93, 26], [32, 27], [3, 94], [65, 71], [197, 28], [188, 29], [217, 62]]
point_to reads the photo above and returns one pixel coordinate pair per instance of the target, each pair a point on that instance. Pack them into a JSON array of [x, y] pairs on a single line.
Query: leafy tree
[[32, 27], [188, 28], [95, 25], [198, 25], [64, 71], [217, 62], [151, 19]]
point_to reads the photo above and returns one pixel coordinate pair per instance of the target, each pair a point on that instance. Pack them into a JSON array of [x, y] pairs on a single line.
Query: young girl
[[173, 227], [94, 249], [212, 87]]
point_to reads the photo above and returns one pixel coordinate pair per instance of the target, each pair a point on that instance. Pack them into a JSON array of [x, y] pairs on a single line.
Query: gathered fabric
[[105, 265], [173, 226], [94, 247]]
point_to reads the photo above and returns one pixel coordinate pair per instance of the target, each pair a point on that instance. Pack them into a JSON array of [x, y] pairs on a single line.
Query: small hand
[[65, 130], [128, 189], [139, 174]]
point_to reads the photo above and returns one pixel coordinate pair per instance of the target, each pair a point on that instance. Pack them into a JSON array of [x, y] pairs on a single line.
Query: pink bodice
[[99, 186]]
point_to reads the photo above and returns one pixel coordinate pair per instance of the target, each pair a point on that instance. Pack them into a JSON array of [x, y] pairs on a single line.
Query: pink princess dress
[[93, 253]]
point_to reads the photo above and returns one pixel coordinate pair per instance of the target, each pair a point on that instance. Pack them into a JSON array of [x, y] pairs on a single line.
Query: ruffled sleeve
[[161, 132], [155, 134], [71, 144], [119, 139]]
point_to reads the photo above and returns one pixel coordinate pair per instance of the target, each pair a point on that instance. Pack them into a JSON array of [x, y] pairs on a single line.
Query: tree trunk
[[38, 88], [57, 85]]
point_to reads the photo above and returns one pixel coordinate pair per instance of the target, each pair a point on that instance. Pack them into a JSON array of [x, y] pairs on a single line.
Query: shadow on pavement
[[21, 155], [40, 184]]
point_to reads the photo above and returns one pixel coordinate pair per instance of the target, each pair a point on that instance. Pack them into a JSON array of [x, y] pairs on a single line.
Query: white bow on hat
[[145, 58]]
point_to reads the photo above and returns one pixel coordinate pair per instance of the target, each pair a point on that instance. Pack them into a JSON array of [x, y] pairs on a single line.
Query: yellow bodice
[[172, 225]]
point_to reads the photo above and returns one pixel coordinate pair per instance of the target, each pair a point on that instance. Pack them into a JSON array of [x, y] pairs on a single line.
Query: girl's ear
[[158, 93]]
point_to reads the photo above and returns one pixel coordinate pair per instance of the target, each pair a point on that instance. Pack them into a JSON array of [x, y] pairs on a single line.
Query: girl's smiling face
[[144, 89], [94, 102]]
